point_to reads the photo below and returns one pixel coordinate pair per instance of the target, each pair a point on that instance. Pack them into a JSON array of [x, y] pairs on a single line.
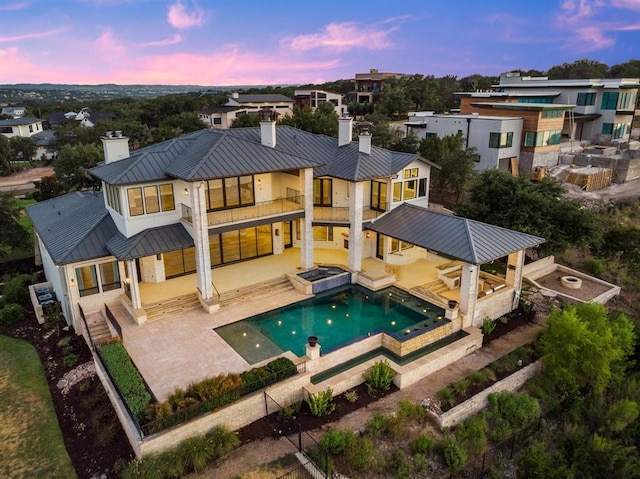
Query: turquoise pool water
[[337, 317]]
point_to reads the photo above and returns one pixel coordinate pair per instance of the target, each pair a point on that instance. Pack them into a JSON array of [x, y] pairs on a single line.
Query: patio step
[[438, 286], [179, 304], [258, 290], [98, 327]]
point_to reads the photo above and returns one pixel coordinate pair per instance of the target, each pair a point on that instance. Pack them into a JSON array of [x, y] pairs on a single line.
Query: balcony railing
[[335, 213], [263, 209]]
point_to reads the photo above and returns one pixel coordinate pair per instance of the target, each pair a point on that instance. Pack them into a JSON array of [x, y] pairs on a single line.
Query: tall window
[[500, 140], [230, 192], [150, 199], [109, 276], [609, 100], [87, 280], [379, 195], [323, 233], [322, 191], [586, 99]]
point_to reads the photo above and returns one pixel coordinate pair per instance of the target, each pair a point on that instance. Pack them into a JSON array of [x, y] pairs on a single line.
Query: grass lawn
[[32, 444]]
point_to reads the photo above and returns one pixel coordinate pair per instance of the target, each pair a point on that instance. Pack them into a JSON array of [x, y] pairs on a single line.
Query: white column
[[201, 240], [356, 202], [306, 223], [515, 264], [468, 292], [134, 288]]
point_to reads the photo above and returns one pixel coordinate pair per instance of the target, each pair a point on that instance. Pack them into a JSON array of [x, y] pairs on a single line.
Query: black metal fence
[[113, 321], [299, 472], [284, 421]]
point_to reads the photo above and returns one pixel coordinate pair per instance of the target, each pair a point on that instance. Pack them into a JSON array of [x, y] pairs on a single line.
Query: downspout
[[468, 129]]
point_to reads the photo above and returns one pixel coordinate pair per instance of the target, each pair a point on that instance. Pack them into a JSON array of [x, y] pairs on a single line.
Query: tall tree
[[14, 235], [23, 148], [583, 68], [499, 198], [72, 166], [5, 156], [245, 120]]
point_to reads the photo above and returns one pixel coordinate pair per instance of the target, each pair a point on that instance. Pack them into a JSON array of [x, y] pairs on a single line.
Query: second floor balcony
[[263, 209], [340, 214]]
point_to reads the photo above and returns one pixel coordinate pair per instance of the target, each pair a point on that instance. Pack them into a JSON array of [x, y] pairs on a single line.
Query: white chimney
[[268, 127], [116, 147], [235, 95], [365, 142], [345, 130]]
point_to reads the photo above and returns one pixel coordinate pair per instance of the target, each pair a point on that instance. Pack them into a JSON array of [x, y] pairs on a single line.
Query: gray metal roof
[[19, 121], [263, 98], [149, 242], [74, 227], [220, 109], [523, 106], [453, 236], [204, 154]]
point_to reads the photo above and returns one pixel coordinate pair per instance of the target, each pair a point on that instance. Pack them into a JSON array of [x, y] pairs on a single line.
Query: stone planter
[[453, 304]]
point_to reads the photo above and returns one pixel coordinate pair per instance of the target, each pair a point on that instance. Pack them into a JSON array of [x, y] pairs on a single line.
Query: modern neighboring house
[[542, 125], [14, 111], [604, 107], [313, 98], [369, 86], [25, 127], [221, 117], [496, 138], [255, 102], [177, 211], [85, 117]]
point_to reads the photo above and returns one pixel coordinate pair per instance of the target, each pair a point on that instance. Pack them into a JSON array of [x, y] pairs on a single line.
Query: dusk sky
[[292, 42]]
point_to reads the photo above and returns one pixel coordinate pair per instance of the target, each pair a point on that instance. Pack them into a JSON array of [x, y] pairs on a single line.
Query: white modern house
[[313, 98], [221, 117], [604, 107], [496, 138], [253, 103], [25, 127]]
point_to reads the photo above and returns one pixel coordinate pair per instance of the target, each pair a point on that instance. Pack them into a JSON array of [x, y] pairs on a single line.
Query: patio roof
[[149, 242], [453, 236]]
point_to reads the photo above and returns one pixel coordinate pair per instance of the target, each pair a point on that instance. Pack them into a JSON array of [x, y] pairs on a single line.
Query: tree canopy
[[72, 166], [514, 202], [14, 235]]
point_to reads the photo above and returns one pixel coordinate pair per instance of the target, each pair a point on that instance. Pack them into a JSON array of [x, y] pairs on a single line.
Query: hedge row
[[213, 393], [126, 378]]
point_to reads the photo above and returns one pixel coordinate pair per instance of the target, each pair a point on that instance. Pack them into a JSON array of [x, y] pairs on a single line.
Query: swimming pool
[[337, 317]]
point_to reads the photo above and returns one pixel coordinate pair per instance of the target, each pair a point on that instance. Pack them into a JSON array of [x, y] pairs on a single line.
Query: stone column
[[134, 288], [356, 202], [468, 292], [306, 223], [515, 264], [201, 240]]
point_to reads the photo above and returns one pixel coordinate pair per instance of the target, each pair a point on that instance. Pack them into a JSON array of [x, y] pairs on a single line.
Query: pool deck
[[176, 351]]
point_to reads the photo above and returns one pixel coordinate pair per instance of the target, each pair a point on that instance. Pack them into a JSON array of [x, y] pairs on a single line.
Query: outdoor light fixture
[[72, 282], [368, 235], [186, 192]]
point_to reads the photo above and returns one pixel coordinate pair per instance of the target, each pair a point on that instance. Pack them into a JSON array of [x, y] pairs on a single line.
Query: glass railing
[[341, 213], [263, 209]]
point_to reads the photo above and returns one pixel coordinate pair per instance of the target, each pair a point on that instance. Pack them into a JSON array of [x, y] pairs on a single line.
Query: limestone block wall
[[493, 306], [401, 348], [480, 401]]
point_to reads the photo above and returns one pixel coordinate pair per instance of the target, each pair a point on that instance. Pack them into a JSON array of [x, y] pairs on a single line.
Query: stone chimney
[[268, 127], [345, 130], [364, 136], [115, 145]]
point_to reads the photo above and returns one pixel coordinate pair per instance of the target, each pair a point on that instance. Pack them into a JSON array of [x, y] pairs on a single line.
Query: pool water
[[338, 317]]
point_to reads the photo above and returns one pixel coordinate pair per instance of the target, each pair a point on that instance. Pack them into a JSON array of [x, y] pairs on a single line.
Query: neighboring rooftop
[[262, 98], [513, 79]]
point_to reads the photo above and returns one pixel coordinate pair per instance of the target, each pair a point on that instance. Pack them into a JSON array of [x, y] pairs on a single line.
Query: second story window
[[322, 192], [150, 199], [586, 99], [609, 100], [379, 195], [501, 140], [230, 192]]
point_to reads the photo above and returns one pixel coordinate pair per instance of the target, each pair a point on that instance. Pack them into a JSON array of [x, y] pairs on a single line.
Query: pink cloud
[[27, 36], [173, 40], [12, 7], [629, 4], [342, 37], [180, 17], [107, 42]]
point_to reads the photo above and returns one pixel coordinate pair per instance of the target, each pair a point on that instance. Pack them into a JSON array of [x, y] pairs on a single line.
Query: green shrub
[[453, 454], [422, 444], [321, 459], [362, 455], [223, 388], [126, 377], [399, 465], [191, 455], [475, 378], [473, 433], [336, 441], [420, 462], [351, 396], [461, 387], [488, 374], [510, 413], [445, 396], [321, 403], [410, 410], [16, 289], [595, 267], [379, 376], [12, 313], [488, 325], [377, 425]]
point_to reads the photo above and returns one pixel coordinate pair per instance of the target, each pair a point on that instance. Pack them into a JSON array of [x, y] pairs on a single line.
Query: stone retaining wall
[[477, 403]]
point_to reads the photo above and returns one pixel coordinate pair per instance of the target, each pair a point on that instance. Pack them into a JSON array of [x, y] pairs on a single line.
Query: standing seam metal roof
[[471, 241]]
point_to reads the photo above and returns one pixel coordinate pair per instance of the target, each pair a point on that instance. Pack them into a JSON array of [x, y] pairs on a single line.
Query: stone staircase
[[438, 286], [432, 292], [172, 306], [255, 291], [98, 327]]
